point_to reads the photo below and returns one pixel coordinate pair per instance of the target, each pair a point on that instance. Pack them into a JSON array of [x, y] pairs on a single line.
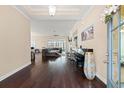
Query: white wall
[[14, 40], [42, 31], [41, 41], [99, 43]]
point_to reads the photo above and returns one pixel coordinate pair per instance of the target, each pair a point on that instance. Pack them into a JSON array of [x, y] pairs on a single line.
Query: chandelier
[[52, 10]]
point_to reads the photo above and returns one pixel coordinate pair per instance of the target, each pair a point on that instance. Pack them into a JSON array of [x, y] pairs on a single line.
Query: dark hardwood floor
[[50, 73]]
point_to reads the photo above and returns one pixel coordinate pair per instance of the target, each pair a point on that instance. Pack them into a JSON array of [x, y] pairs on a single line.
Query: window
[[56, 44]]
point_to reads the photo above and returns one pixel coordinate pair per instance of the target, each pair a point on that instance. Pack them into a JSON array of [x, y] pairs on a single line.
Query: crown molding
[[21, 12]]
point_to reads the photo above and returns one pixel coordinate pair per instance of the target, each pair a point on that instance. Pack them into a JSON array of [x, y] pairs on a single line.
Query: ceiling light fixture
[[52, 10]]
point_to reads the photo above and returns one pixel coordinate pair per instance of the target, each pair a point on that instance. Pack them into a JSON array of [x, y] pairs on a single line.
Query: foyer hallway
[[50, 73]]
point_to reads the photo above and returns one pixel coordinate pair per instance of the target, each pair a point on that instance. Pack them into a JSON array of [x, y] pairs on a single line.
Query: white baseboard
[[101, 78], [13, 72]]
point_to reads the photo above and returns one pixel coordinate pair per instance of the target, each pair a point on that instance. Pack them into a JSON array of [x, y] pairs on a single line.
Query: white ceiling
[[63, 12], [55, 27], [60, 24]]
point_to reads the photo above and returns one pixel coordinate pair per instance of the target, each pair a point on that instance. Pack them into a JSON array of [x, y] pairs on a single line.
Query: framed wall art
[[88, 33]]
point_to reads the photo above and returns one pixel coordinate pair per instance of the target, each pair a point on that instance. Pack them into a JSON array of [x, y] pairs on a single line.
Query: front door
[[115, 65]]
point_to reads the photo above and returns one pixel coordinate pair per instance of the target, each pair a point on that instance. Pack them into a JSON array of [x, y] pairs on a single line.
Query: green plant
[[108, 18]]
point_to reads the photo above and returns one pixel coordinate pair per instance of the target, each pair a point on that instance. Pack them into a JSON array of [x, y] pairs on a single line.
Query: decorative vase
[[90, 66]]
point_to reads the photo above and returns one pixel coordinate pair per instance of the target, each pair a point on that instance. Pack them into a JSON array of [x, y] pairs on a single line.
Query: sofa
[[51, 52]]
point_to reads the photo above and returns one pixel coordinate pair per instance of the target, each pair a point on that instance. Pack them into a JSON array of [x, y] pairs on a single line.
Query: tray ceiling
[[61, 24], [63, 12]]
